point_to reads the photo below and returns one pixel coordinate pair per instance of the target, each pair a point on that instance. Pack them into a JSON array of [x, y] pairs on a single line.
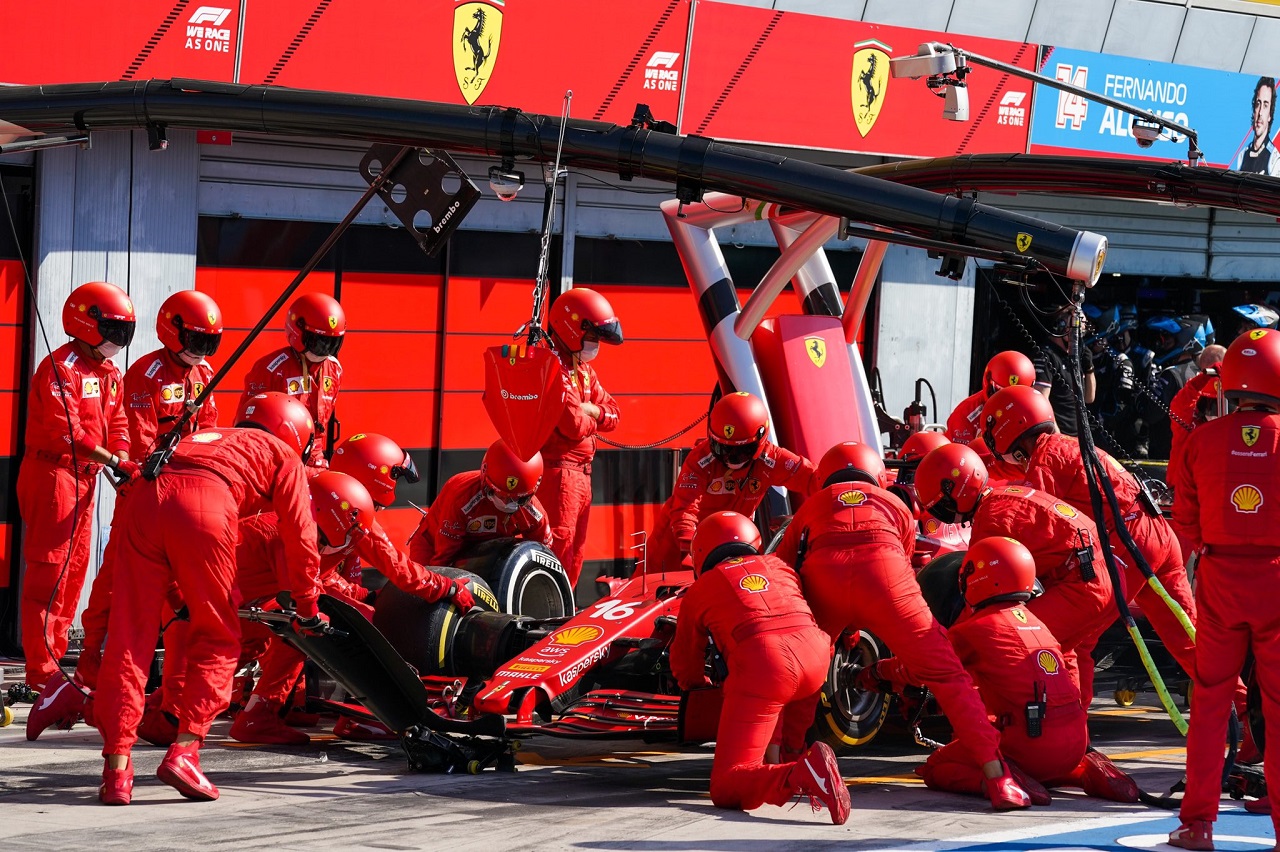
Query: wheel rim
[[851, 703], [539, 596]]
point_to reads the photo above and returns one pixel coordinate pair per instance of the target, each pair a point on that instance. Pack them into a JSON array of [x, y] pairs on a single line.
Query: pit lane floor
[[567, 795]]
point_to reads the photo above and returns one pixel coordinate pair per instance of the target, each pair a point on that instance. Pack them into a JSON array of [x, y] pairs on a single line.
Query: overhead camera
[[955, 105], [1145, 133], [505, 183], [928, 62]]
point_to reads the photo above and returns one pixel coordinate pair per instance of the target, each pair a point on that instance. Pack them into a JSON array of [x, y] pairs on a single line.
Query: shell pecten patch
[[1065, 511], [852, 498], [1247, 499], [1048, 662], [754, 584], [205, 437]]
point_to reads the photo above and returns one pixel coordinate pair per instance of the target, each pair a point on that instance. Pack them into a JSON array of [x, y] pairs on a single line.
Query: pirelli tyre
[[424, 633], [847, 716], [526, 577]]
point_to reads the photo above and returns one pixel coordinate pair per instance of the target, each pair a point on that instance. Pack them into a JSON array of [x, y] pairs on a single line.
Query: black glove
[[316, 626]]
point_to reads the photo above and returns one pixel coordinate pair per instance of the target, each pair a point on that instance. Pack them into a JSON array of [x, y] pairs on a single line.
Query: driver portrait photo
[[1260, 155]]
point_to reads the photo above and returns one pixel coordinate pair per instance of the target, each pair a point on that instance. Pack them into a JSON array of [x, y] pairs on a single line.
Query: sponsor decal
[[1247, 499], [754, 486], [852, 498], [546, 560], [483, 594], [477, 35], [526, 667], [754, 584], [333, 321], [519, 397], [1048, 662], [1012, 112], [572, 673], [277, 361], [1019, 614], [728, 430], [1023, 242], [512, 483], [490, 523], [931, 526], [153, 369], [1258, 334], [816, 347], [328, 384], [172, 393], [716, 486], [206, 33], [197, 388], [1065, 511], [517, 675], [474, 526], [869, 84], [91, 388], [299, 384], [660, 73], [206, 437], [1012, 489], [1249, 434], [579, 634]]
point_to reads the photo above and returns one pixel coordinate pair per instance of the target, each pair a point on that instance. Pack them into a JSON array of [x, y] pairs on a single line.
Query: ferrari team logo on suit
[[477, 33], [870, 80], [817, 349], [1250, 435]]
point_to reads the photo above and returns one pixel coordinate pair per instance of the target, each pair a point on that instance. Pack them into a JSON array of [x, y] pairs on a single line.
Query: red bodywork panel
[[523, 394]]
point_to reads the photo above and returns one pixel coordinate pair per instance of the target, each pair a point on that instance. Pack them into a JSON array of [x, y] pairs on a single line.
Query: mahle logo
[[477, 34]]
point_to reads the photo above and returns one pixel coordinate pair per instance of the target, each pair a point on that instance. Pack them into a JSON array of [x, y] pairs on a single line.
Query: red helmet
[[97, 313], [377, 462], [737, 426], [510, 478], [950, 483], [1251, 367], [850, 462], [1007, 369], [918, 444], [580, 314], [342, 508], [997, 569], [721, 535], [190, 321], [1012, 414], [282, 416], [316, 324]]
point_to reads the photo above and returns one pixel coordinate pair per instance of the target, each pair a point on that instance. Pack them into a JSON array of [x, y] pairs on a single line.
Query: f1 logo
[[662, 59], [212, 15]]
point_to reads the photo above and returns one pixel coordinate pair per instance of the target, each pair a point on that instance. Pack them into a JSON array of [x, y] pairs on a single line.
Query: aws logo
[[754, 584], [870, 82], [577, 635], [477, 34]]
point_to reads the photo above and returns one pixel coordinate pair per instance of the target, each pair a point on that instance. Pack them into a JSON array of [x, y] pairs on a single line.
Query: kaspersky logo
[[870, 82], [206, 33], [477, 34]]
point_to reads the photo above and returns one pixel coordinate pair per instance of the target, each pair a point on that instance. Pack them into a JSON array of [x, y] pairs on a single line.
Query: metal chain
[[1144, 387], [622, 446]]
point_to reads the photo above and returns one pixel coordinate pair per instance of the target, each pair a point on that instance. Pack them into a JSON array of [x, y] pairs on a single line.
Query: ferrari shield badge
[[477, 33], [816, 347], [870, 80], [1250, 435]]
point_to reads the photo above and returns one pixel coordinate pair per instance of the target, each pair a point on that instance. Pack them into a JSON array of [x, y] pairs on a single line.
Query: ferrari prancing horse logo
[[816, 347], [1250, 435], [477, 33], [870, 80]]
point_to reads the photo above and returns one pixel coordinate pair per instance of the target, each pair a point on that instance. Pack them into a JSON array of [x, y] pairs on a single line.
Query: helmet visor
[[119, 332], [321, 345], [199, 342], [607, 332], [406, 470], [735, 453]]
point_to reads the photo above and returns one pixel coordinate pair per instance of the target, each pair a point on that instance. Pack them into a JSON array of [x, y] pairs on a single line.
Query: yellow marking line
[[909, 778], [1154, 752]]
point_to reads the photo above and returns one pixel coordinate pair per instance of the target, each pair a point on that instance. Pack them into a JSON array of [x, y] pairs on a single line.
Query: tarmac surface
[[570, 795]]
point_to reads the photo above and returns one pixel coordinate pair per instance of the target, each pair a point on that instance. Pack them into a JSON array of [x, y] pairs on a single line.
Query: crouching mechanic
[[496, 501], [730, 470], [751, 607], [1227, 509], [183, 527], [851, 544], [1077, 605], [1016, 663]]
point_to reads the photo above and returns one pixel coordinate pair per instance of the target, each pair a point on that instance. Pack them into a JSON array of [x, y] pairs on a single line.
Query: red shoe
[[1193, 835], [1258, 806], [301, 718], [157, 727], [58, 706], [180, 769], [262, 725], [358, 729], [117, 785], [817, 775], [1103, 779], [1004, 792], [1033, 788]]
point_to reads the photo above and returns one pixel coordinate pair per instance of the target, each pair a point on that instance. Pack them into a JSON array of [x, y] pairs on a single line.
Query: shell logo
[[1064, 510], [384, 469], [1258, 334], [1247, 499], [754, 584], [931, 526], [578, 635], [1048, 662], [166, 393], [344, 506], [294, 386], [205, 437], [852, 498]]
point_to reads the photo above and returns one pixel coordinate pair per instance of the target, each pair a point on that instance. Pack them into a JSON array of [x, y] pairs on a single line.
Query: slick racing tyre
[[940, 585], [526, 577], [847, 716], [424, 632]]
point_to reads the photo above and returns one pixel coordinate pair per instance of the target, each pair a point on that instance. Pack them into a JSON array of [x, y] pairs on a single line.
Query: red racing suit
[[462, 514], [1183, 416], [76, 407], [315, 384], [184, 527], [707, 485], [1228, 507], [1057, 466], [1075, 607], [777, 659], [855, 566], [157, 388], [1014, 660], [565, 491]]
